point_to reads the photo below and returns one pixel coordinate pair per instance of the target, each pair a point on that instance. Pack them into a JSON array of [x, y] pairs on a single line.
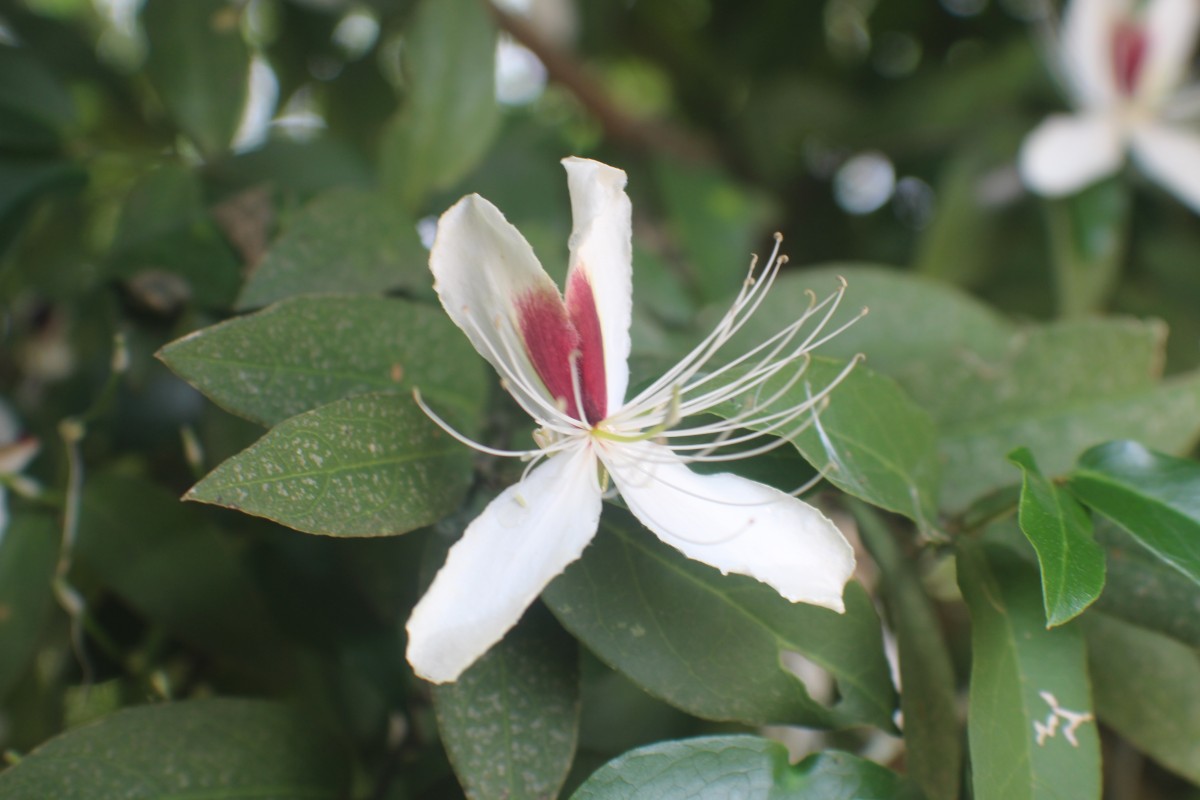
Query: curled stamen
[[483, 448]]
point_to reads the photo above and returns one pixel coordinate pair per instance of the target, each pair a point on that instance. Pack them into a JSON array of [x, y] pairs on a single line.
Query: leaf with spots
[[215, 747], [511, 721], [371, 465], [303, 353], [718, 646]]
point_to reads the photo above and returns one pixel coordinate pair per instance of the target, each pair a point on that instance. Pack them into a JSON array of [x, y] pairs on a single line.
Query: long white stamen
[[469, 442]]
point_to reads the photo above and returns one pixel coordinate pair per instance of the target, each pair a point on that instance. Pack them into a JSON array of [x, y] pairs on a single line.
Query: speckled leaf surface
[[211, 748], [345, 240], [510, 722], [713, 645], [28, 552], [370, 465], [745, 767], [308, 351]]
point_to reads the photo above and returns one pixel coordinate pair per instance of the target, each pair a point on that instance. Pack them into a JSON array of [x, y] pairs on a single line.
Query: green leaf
[[165, 560], [714, 645], [747, 767], [928, 696], [308, 351], [199, 66], [1071, 561], [35, 107], [371, 465], [345, 240], [510, 722], [1020, 673], [450, 114], [1147, 688], [216, 747], [1154, 497], [28, 552]]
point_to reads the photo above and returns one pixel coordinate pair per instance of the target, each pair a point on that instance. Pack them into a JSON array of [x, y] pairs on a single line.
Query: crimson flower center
[[1129, 43]]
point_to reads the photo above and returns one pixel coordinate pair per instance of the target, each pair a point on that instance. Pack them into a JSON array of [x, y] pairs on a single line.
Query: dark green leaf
[[510, 722], [928, 695], [34, 106], [1029, 722], [745, 767], [450, 113], [199, 66], [371, 465], [713, 645], [346, 240], [218, 747], [1153, 496], [167, 562], [308, 351], [1147, 688], [1060, 531], [28, 552]]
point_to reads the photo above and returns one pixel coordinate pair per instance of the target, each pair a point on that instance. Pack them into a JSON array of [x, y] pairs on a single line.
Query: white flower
[[1123, 62], [15, 453], [564, 361]]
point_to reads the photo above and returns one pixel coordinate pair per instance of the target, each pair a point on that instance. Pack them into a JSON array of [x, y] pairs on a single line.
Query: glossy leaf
[[217, 747], [305, 352], [199, 65], [1153, 496], [450, 112], [28, 552], [1071, 561], [346, 240], [1147, 688], [720, 767], [1029, 721], [933, 749], [510, 722], [370, 465], [714, 645]]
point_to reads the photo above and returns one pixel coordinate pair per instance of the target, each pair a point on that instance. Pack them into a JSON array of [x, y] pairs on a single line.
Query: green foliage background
[[192, 306]]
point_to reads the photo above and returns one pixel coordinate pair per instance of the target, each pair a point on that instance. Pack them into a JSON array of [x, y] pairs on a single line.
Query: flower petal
[[1087, 50], [1171, 157], [521, 541], [734, 524], [1066, 153], [602, 261], [1171, 27], [483, 268]]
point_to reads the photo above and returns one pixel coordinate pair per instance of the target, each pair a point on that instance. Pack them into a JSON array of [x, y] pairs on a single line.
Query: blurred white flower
[[563, 359], [1124, 63], [15, 453]]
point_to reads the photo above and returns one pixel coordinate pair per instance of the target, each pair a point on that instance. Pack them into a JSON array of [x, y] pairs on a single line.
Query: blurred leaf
[[167, 562], [346, 240], [928, 696], [720, 767], [1088, 231], [216, 747], [1154, 497], [510, 722], [199, 66], [1147, 688], [23, 179], [1071, 561], [450, 113], [28, 552], [370, 465], [301, 167], [34, 105], [715, 221], [713, 645], [1025, 680], [305, 352], [1142, 589], [957, 242]]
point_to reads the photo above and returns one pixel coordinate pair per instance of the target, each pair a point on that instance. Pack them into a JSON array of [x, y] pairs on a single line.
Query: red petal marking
[[581, 307], [1129, 43]]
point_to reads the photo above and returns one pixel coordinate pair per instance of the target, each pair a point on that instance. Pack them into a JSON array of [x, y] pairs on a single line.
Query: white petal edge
[[1171, 157], [521, 541], [602, 247], [1086, 50], [1066, 153], [481, 264], [734, 524], [1171, 27]]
